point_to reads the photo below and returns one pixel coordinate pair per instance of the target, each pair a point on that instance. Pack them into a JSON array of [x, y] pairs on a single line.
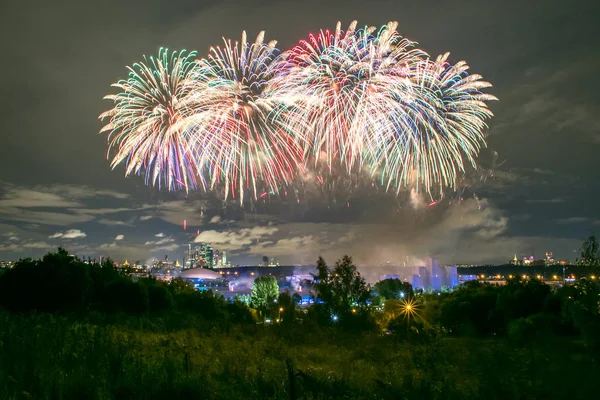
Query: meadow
[[74, 331]]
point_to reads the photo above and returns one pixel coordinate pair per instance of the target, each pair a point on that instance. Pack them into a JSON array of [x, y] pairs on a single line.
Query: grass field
[[51, 357]]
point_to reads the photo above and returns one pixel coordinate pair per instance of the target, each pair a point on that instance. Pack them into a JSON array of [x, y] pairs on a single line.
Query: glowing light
[[409, 308], [247, 121]]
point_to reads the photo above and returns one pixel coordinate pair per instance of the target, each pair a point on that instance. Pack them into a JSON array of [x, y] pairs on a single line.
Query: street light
[[408, 308]]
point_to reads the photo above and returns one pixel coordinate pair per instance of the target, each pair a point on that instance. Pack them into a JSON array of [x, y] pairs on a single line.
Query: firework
[[437, 130], [235, 104], [350, 81], [340, 110], [147, 126]]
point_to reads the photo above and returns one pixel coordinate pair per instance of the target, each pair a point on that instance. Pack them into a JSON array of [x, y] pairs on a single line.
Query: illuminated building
[[272, 263], [516, 261], [432, 276], [528, 260], [203, 278], [435, 273]]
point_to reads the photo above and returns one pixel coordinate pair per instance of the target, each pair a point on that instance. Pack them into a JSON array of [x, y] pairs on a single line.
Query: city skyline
[[57, 188]]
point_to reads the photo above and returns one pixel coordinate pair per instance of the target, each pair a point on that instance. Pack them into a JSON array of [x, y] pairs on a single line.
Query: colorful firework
[[235, 104], [342, 107], [349, 81], [436, 131], [148, 124]]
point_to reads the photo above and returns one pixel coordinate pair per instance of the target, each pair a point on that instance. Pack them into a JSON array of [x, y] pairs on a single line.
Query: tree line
[[59, 283]]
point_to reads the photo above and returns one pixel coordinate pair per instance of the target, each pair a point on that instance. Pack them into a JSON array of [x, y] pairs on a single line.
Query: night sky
[[57, 189]]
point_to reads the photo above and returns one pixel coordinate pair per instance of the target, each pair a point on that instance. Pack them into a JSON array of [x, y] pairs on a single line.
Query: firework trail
[[234, 103], [147, 126]]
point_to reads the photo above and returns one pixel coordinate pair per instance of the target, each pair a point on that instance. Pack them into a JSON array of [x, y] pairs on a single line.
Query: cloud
[[177, 211], [145, 217], [108, 246], [556, 200], [284, 247], [120, 237], [42, 217], [572, 220], [70, 234], [82, 192], [235, 240], [436, 231], [19, 247], [217, 220], [170, 247], [110, 222], [158, 242], [159, 235], [60, 205], [27, 198]]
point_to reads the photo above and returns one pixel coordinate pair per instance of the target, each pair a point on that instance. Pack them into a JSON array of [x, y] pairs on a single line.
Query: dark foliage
[[76, 330], [393, 289]]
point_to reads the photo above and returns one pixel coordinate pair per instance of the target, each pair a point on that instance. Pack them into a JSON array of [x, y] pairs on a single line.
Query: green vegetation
[[264, 292], [341, 289], [393, 289], [69, 330], [590, 252]]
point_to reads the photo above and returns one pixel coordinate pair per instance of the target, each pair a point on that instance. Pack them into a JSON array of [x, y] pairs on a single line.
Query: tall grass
[[53, 357]]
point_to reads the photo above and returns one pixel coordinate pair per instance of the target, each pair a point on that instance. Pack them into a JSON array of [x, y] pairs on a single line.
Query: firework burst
[[347, 108], [350, 81], [147, 127], [437, 131], [234, 103]]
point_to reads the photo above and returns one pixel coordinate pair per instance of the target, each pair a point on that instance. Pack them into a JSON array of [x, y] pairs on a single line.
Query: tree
[[264, 292], [340, 289], [394, 289], [590, 252], [180, 285], [322, 282], [286, 308]]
